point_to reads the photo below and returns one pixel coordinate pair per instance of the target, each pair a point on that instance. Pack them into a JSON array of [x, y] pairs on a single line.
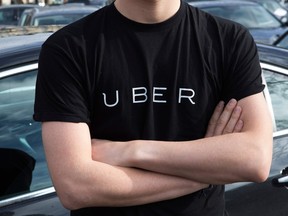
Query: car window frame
[[282, 71]]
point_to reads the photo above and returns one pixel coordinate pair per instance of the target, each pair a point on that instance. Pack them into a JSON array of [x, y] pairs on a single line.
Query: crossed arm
[[149, 171]]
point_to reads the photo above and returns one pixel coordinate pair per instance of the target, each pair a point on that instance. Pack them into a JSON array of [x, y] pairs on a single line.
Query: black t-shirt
[[162, 81]]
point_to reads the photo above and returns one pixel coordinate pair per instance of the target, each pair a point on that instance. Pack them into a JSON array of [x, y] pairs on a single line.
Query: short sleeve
[[242, 66], [61, 93]]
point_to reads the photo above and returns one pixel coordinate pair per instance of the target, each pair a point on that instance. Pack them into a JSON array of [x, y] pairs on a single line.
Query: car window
[[278, 89], [249, 16], [22, 162], [61, 19], [283, 42], [263, 18], [8, 16], [25, 19], [275, 8]]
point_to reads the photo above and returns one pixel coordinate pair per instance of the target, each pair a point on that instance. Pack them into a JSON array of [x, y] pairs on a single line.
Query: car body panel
[[273, 55], [26, 52]]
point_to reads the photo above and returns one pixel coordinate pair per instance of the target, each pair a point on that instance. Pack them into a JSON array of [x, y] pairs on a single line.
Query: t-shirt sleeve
[[61, 93], [242, 68]]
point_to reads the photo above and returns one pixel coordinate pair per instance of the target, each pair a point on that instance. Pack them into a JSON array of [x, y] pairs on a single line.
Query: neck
[[147, 11]]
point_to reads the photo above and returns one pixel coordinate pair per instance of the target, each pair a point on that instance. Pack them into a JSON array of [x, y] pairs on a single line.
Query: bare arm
[[232, 157], [81, 181]]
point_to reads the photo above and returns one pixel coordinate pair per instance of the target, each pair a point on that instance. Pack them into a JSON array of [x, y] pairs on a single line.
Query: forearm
[[99, 184], [82, 182], [231, 158], [214, 160], [244, 155]]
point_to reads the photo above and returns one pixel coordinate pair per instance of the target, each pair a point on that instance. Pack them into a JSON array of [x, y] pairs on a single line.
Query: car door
[[25, 184]]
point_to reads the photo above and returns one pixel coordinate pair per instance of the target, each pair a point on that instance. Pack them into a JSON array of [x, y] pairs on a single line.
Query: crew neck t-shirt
[[130, 80]]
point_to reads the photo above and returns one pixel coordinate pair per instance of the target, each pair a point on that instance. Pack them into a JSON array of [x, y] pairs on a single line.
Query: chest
[[151, 84]]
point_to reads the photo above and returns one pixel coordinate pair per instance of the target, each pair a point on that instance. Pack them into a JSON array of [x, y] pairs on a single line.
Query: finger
[[214, 118], [239, 126], [233, 121], [225, 117]]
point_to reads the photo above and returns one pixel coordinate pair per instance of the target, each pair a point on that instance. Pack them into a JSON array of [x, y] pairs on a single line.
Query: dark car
[[274, 7], [55, 15], [263, 26], [25, 184], [20, 137], [99, 3], [272, 53], [10, 14]]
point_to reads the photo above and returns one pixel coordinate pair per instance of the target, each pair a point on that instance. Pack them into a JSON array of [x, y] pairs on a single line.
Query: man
[[126, 96]]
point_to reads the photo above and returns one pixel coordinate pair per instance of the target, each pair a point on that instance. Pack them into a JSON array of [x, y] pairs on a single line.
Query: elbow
[[76, 194], [69, 199], [70, 203], [71, 195], [260, 174], [260, 168], [260, 160], [67, 202]]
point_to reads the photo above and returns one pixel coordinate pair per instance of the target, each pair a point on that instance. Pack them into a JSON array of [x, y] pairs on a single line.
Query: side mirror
[[282, 180]]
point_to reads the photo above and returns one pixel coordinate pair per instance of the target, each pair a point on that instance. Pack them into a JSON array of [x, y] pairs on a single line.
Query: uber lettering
[[140, 95]]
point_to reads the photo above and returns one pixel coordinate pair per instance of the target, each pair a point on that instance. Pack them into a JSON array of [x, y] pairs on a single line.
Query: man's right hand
[[225, 119]]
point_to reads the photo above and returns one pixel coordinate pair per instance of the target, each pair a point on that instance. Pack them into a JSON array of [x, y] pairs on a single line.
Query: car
[[282, 41], [99, 3], [272, 53], [10, 14], [263, 26], [55, 15], [274, 7], [21, 136], [25, 177]]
